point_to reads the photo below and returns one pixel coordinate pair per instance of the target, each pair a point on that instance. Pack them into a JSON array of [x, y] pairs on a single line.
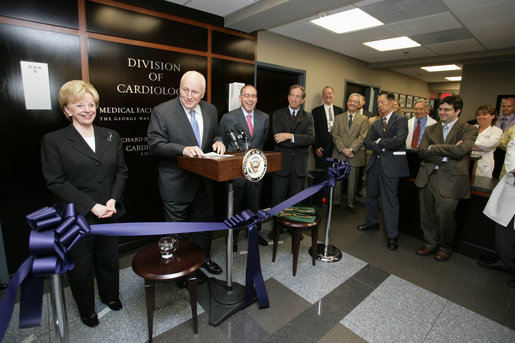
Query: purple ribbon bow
[[55, 230]]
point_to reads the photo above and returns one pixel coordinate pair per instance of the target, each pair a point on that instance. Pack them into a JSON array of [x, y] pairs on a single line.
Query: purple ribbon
[[55, 230]]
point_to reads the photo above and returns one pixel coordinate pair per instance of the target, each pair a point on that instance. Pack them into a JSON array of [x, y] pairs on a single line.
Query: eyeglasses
[[252, 96], [90, 106], [294, 96]]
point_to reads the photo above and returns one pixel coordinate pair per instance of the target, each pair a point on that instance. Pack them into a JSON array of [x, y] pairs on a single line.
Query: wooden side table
[[296, 228], [149, 265]]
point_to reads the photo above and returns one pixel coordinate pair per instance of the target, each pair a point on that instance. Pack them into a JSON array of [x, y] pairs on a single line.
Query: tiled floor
[[371, 295]]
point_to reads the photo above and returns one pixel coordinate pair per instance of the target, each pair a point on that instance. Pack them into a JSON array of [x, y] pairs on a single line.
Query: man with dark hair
[[323, 120], [388, 163], [443, 177], [293, 134]]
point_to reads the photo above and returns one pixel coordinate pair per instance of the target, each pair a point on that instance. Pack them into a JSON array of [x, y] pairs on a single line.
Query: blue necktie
[[350, 121], [445, 131], [194, 126]]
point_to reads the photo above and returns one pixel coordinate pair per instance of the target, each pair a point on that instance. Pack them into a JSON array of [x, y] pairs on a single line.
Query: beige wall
[[483, 82], [324, 67]]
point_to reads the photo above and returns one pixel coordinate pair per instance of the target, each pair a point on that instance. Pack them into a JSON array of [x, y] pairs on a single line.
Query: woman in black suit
[[83, 163]]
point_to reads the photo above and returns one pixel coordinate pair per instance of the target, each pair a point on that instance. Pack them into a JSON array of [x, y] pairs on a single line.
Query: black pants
[[95, 256], [505, 245]]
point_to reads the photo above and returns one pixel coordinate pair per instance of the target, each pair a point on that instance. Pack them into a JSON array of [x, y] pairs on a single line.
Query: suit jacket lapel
[[242, 119], [79, 143], [101, 142], [206, 124], [184, 122]]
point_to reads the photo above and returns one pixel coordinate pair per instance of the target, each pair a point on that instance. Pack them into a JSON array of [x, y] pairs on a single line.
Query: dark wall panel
[[122, 23], [132, 80], [224, 72], [53, 12], [234, 46], [21, 183]]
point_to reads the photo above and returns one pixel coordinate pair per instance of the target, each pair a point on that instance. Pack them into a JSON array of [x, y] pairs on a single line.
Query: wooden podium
[[226, 298]]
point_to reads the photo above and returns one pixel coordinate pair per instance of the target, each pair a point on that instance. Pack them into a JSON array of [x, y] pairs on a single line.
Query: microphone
[[243, 135], [232, 136]]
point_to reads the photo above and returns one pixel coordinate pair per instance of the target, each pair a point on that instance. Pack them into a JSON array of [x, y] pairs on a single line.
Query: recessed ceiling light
[[454, 78], [392, 44], [442, 68], [347, 21]]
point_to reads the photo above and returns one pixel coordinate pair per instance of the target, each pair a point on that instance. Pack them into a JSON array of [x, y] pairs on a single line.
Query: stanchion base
[[333, 254], [223, 302]]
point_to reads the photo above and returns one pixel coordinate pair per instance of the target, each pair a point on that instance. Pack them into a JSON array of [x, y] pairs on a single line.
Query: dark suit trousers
[[94, 256], [380, 184], [437, 216], [199, 210], [248, 191], [505, 245], [284, 187]]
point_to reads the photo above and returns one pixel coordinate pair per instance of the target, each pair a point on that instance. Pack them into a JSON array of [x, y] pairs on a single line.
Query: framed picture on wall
[[396, 95], [409, 101], [500, 100], [402, 99]]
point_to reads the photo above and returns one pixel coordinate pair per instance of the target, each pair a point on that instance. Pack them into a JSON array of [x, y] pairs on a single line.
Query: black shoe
[[115, 305], [392, 244], [493, 264], [365, 227], [262, 241], [90, 321], [212, 267], [234, 245]]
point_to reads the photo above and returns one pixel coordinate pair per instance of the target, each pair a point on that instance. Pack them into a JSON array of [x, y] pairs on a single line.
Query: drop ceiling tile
[[392, 11], [501, 11], [442, 36], [492, 30], [219, 7], [500, 42], [372, 34], [403, 54], [456, 47], [416, 26], [462, 4]]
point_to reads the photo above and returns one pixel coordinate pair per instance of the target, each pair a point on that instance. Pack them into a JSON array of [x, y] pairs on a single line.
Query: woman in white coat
[[487, 140]]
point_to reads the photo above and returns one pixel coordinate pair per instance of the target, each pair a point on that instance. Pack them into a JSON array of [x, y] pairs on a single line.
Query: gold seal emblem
[[254, 165]]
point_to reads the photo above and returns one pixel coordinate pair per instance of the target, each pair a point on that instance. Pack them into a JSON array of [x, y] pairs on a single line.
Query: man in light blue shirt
[[417, 125]]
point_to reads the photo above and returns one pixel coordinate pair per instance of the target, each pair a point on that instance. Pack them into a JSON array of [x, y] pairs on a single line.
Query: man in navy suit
[[323, 121], [293, 134], [387, 140], [186, 126], [255, 124]]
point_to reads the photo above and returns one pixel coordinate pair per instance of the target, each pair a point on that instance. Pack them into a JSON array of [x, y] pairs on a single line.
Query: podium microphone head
[[232, 136]]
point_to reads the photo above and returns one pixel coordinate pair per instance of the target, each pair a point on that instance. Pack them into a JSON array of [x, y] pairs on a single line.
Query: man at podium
[[186, 126], [255, 125]]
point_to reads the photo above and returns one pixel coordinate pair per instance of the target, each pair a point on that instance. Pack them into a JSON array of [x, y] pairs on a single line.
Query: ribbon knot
[[337, 171]]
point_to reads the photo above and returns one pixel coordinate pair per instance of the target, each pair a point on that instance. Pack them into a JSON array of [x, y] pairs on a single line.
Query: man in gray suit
[[293, 134], [388, 163], [443, 177], [255, 123], [186, 126], [350, 131]]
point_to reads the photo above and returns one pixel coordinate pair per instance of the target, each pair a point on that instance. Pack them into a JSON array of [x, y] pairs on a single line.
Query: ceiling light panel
[[454, 78], [445, 67], [348, 21], [392, 44]]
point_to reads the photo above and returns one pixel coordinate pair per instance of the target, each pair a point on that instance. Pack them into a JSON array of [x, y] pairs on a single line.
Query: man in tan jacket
[[443, 177], [349, 133]]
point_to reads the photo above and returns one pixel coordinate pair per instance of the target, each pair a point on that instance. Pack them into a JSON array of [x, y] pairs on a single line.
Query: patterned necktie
[[416, 136], [293, 115], [331, 119], [385, 122], [350, 120], [249, 124], [194, 126], [503, 123]]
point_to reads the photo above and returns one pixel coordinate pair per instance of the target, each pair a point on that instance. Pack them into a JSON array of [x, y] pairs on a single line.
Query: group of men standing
[[188, 126]]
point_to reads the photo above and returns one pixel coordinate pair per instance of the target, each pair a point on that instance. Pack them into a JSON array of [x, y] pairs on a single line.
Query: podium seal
[[254, 165]]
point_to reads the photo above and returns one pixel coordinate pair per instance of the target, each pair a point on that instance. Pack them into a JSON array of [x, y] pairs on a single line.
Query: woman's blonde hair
[[74, 90]]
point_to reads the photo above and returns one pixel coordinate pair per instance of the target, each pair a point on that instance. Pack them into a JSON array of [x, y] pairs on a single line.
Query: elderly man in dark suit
[[323, 120], [186, 126], [255, 123], [388, 163], [293, 134], [443, 177]]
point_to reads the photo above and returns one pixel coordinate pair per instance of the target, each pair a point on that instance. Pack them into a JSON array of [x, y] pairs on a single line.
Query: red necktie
[[416, 136], [249, 124], [293, 115]]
